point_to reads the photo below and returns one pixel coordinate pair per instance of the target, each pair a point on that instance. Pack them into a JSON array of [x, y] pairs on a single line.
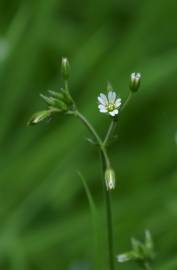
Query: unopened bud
[[110, 179], [125, 257], [65, 68], [39, 117], [135, 79]]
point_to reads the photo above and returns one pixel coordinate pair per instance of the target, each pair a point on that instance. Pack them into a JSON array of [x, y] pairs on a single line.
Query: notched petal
[[104, 98], [117, 102]]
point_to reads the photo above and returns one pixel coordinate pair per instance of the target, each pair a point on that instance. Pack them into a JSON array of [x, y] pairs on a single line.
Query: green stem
[[127, 101], [105, 165], [97, 137], [110, 228], [147, 266], [114, 122], [109, 220], [66, 85], [110, 132]]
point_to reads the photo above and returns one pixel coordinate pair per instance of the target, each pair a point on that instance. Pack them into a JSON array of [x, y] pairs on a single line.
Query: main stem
[[109, 219], [105, 164]]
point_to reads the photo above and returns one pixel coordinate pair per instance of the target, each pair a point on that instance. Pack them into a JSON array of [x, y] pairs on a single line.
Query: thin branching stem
[[126, 101], [113, 123], [97, 137], [110, 131], [105, 164]]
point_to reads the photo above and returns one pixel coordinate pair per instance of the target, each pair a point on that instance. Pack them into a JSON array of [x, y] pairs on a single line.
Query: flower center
[[110, 107]]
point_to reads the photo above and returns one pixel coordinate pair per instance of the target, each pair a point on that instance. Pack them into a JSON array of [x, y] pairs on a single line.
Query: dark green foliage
[[44, 215]]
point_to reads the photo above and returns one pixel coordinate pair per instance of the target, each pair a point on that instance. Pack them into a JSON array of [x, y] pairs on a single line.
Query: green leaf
[[95, 220]]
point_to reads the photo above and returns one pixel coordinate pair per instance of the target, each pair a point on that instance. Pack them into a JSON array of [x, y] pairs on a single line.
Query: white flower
[[109, 104]]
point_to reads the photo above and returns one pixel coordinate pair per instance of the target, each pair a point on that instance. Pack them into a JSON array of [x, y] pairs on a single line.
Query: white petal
[[111, 96], [104, 99], [116, 111], [102, 108], [113, 113], [103, 111], [117, 102], [101, 100]]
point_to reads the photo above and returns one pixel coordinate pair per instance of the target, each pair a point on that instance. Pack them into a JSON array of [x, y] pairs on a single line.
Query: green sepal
[[109, 87]]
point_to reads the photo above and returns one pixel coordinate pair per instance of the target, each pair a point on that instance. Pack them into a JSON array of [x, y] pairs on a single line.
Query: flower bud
[[135, 79], [110, 179], [125, 257], [39, 117], [65, 68]]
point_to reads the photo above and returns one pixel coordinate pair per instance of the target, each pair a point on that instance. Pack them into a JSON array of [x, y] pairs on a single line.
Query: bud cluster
[[142, 253], [56, 101]]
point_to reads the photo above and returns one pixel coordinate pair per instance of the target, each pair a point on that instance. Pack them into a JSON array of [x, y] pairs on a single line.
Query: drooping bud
[[110, 179], [65, 68], [135, 79], [39, 117]]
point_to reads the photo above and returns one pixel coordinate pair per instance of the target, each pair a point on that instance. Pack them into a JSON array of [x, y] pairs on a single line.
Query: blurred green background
[[45, 221]]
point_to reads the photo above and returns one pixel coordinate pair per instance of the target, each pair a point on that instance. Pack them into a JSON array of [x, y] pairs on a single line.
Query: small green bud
[[55, 102], [110, 179], [125, 257], [142, 252], [135, 79], [66, 96], [65, 68], [61, 105], [57, 95], [49, 100], [148, 240], [149, 245], [39, 117]]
